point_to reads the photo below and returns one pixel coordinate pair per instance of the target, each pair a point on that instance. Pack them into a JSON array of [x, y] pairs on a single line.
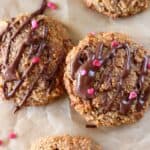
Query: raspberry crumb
[[52, 5], [83, 72], [92, 33], [1, 142], [132, 95], [114, 44], [12, 135], [90, 91], [97, 63], [35, 60], [34, 24]]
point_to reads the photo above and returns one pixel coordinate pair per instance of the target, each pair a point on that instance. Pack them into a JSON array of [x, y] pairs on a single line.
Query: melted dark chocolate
[[84, 82], [142, 97], [37, 46], [90, 126], [37, 12], [125, 105], [29, 92]]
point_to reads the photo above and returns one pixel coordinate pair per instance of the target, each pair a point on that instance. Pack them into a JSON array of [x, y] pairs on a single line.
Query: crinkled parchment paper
[[55, 119]]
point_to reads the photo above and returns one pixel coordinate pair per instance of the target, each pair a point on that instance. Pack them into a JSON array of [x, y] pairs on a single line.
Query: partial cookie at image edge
[[65, 142], [118, 9]]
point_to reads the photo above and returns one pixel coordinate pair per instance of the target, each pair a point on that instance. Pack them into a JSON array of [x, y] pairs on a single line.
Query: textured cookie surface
[[108, 79], [118, 8], [33, 49], [65, 143]]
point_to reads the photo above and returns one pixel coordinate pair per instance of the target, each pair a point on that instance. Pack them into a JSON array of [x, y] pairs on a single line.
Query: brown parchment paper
[[55, 119]]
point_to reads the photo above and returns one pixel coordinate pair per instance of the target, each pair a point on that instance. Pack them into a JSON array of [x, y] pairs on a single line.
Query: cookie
[[33, 49], [65, 143], [118, 8], [107, 78]]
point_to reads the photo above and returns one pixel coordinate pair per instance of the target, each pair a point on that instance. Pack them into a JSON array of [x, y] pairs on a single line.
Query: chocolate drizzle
[[29, 92], [37, 12], [10, 71], [25, 74], [142, 97], [85, 82]]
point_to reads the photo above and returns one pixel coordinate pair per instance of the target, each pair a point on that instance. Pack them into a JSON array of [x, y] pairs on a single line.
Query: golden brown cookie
[[108, 79], [118, 8], [65, 143], [32, 53]]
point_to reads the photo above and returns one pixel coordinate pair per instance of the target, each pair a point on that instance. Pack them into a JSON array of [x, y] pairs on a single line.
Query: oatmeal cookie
[[108, 79], [32, 53], [118, 8], [65, 143]]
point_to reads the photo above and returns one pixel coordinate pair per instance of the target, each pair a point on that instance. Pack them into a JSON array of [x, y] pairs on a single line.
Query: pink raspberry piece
[[90, 91], [92, 33], [1, 142], [35, 60], [132, 95], [97, 63], [83, 72], [114, 44], [12, 135], [34, 24], [52, 5]]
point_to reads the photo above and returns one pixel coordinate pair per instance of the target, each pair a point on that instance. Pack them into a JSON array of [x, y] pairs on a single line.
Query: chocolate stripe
[[84, 82]]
